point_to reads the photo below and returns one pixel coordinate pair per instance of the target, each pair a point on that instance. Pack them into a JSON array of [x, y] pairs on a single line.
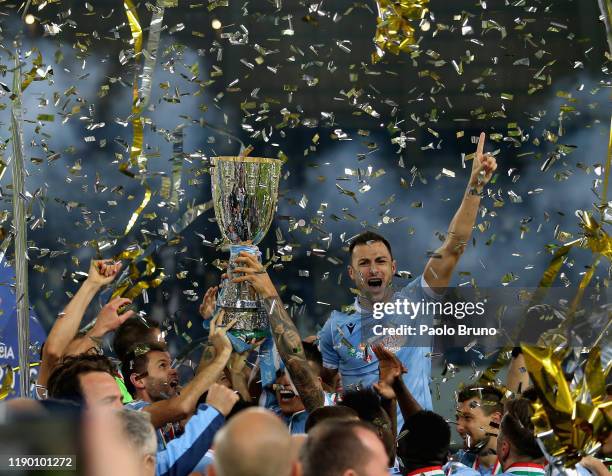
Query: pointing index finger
[[481, 142]]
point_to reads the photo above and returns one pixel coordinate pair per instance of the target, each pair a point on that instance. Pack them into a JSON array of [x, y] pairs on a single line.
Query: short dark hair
[[518, 429], [137, 360], [491, 397], [424, 440], [332, 447], [134, 331], [337, 413], [64, 382], [366, 238], [366, 403]]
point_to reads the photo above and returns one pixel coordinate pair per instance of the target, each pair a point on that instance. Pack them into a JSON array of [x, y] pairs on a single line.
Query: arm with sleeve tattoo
[[284, 332], [289, 345]]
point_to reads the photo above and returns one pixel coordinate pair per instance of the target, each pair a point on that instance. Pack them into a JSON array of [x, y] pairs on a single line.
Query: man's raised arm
[[65, 328], [440, 267], [284, 332], [183, 405]]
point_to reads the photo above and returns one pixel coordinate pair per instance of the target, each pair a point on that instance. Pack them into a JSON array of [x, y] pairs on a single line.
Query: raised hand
[[217, 335], [390, 368], [483, 167], [109, 318], [254, 273], [103, 272], [237, 361], [209, 302]]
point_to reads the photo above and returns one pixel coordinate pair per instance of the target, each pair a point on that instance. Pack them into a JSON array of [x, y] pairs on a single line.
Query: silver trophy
[[245, 192]]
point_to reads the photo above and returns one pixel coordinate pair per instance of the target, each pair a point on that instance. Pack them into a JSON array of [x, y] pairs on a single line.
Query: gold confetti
[[7, 383], [138, 211], [137, 122], [395, 32]]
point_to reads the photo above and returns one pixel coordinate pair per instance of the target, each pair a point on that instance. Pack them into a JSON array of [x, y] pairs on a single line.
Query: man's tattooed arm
[[290, 349]]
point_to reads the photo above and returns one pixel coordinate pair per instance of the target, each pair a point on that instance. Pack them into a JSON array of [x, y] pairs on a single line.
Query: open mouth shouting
[[375, 283], [288, 399], [172, 387], [286, 395], [169, 388]]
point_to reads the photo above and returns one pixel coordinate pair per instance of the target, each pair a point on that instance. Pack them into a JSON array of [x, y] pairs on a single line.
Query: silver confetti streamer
[[19, 224]]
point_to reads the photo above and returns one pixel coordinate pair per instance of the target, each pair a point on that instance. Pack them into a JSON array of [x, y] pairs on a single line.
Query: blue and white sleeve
[[331, 359], [418, 289], [183, 454]]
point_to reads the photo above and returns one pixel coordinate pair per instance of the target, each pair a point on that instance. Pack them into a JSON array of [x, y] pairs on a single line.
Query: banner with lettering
[[9, 353]]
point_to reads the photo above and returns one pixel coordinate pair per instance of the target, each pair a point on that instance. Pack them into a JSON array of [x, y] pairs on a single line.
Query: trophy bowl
[[245, 193]]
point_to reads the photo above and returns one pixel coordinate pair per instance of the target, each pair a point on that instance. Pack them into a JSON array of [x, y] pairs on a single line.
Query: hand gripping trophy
[[245, 193]]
